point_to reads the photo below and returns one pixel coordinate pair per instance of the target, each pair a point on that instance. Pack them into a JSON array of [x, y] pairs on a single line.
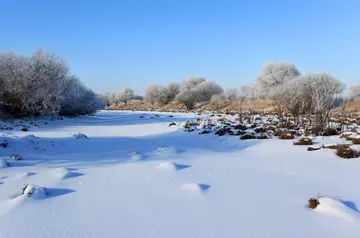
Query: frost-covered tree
[[193, 91], [239, 94], [172, 90], [324, 91], [313, 94], [39, 84], [156, 93], [273, 75], [78, 99], [124, 95], [354, 92]]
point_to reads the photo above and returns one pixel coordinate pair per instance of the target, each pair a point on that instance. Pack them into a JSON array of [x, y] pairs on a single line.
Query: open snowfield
[[138, 177]]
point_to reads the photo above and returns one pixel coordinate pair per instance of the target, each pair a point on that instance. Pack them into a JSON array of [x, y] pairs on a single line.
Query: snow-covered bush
[[196, 90], [80, 136], [156, 93], [354, 92], [272, 75], [41, 84], [79, 100], [346, 152], [172, 90], [34, 191], [122, 96]]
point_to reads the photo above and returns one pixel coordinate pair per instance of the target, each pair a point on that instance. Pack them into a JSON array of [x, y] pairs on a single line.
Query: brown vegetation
[[346, 152]]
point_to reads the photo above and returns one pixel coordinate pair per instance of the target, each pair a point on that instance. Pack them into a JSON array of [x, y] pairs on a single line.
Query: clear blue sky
[[114, 44]]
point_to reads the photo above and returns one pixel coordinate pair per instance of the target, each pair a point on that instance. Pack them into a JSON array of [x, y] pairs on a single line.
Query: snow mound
[[80, 136], [335, 207], [61, 173], [195, 187], [16, 157], [24, 175], [135, 156], [163, 152], [3, 163], [171, 166], [35, 192]]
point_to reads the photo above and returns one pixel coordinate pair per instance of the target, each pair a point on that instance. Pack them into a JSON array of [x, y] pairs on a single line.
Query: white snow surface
[[137, 177]]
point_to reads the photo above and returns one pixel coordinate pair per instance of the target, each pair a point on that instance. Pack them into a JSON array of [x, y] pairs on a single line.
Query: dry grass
[[225, 106], [286, 136], [356, 140], [330, 146], [311, 148], [303, 141], [346, 152]]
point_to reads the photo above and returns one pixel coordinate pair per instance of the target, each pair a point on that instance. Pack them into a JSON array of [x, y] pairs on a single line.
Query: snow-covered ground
[[134, 176]]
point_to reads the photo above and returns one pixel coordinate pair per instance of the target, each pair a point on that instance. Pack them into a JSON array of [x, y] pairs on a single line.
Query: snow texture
[[137, 177]]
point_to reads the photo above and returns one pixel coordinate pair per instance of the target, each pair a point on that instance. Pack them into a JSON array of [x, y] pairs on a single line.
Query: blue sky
[[114, 44]]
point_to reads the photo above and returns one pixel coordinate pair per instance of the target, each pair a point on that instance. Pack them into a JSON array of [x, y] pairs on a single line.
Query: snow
[[138, 177], [3, 163], [337, 208]]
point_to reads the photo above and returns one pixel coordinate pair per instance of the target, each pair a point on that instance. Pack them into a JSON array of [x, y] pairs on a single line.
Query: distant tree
[[40, 84], [273, 75], [172, 90], [354, 92], [124, 95], [193, 91], [156, 93]]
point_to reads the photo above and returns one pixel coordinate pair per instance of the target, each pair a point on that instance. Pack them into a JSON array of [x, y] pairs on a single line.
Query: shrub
[[286, 136], [347, 135], [304, 141], [259, 129], [239, 127], [356, 140], [247, 136], [346, 152], [330, 146], [313, 203], [220, 132], [263, 136], [330, 132], [311, 148]]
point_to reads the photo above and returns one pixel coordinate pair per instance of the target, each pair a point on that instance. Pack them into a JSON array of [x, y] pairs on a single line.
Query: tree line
[[42, 84], [311, 95]]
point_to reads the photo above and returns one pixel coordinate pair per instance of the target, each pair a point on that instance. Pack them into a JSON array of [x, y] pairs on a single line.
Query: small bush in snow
[[34, 191], [16, 157], [303, 141], [330, 146], [247, 136], [286, 136], [4, 144], [330, 132], [80, 136], [220, 132], [356, 140], [202, 132], [346, 152], [263, 136], [259, 129], [312, 148], [313, 203], [347, 135]]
